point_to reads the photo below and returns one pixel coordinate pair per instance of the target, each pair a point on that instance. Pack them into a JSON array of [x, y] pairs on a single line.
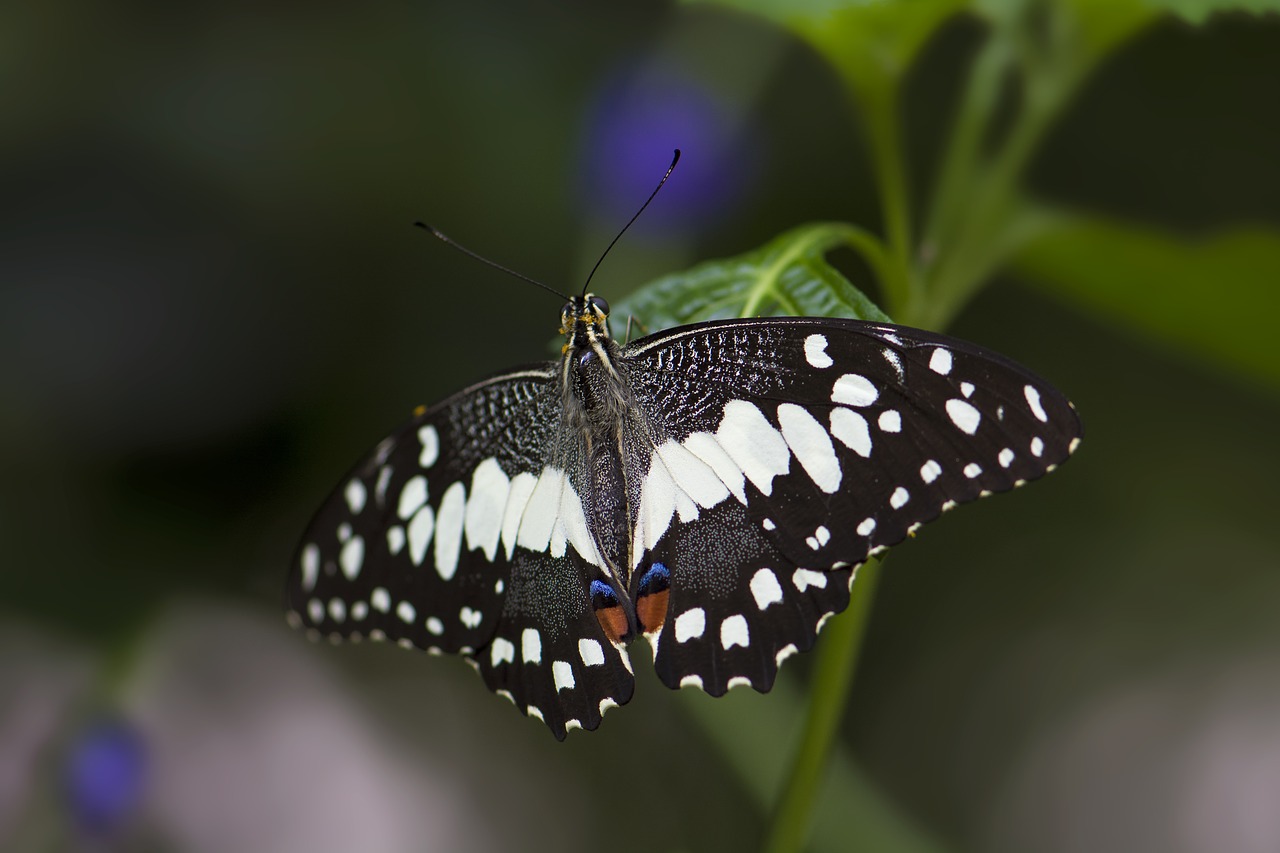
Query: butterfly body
[[713, 487]]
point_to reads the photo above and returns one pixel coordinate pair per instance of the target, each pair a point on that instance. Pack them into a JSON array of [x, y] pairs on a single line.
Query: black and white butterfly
[[713, 487]]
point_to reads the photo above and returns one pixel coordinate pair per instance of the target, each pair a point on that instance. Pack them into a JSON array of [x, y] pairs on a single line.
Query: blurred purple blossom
[[105, 774], [635, 120], [232, 736]]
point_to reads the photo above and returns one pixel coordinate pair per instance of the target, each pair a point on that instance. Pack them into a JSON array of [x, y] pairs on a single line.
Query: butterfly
[[713, 487]]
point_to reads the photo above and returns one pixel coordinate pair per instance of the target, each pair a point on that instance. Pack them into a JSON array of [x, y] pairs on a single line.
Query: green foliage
[[788, 275], [1209, 297], [1216, 297]]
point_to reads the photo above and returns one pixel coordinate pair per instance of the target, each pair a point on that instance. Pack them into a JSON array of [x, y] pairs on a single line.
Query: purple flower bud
[[104, 775], [635, 121]]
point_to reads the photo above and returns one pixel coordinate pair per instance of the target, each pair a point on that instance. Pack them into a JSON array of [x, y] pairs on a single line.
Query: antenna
[[675, 159], [461, 248]]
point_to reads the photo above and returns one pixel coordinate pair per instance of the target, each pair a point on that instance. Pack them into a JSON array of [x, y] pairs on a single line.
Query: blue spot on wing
[[655, 579]]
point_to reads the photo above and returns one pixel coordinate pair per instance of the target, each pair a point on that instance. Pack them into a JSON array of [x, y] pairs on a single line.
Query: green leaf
[[788, 275], [1215, 297], [871, 42], [1198, 11]]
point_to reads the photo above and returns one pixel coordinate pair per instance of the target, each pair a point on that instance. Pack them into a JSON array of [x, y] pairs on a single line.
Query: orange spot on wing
[[651, 610], [613, 621]]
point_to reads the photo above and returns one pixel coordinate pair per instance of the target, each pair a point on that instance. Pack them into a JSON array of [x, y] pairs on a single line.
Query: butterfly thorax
[[597, 403]]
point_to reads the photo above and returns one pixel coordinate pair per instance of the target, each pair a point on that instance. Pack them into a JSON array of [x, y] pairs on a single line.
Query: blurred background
[[212, 301]]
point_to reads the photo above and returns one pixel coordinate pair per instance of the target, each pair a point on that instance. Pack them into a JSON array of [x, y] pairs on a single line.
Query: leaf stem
[[837, 660], [885, 136]]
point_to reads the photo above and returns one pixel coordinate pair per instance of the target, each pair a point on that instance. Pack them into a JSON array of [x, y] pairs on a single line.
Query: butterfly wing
[[798, 448], [452, 536]]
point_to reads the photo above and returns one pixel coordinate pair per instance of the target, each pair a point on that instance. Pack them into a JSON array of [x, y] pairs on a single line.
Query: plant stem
[[837, 661], [885, 135]]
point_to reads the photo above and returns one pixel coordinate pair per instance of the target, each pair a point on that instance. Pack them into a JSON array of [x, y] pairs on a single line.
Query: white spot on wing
[[470, 618], [502, 651], [310, 567], [930, 471], [337, 610], [449, 520], [1005, 458], [395, 539], [1037, 447], [315, 609], [973, 469], [406, 612], [436, 627], [753, 444], [356, 495], [963, 415], [430, 441], [866, 527], [351, 558], [733, 632], [380, 600], [899, 498], [704, 446], [851, 429], [805, 578], [811, 445], [940, 361], [412, 496], [485, 507], [562, 673], [815, 351], [823, 535], [420, 530], [967, 389], [571, 526], [1033, 400], [522, 486], [657, 508], [765, 588], [890, 420], [690, 624], [895, 361], [692, 475], [359, 610], [384, 480], [540, 511], [531, 646], [591, 652], [854, 390]]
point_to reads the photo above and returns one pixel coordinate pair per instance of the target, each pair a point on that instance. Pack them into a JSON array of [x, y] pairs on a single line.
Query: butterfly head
[[584, 319]]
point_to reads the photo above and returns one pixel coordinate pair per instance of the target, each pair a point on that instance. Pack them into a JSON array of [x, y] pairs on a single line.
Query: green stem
[[961, 161], [885, 136], [837, 660]]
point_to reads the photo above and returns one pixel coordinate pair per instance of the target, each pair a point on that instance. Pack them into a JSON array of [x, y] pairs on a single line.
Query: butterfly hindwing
[[549, 654], [737, 606]]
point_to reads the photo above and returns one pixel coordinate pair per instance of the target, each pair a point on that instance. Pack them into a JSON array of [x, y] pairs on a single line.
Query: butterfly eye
[[600, 304]]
